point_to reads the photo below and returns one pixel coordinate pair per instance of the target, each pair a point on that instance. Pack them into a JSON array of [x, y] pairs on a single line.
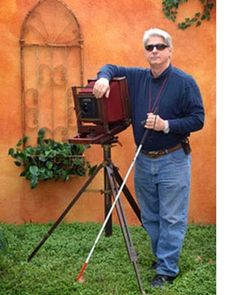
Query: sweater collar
[[166, 72]]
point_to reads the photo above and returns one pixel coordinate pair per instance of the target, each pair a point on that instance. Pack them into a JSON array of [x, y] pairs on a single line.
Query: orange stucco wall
[[112, 32]]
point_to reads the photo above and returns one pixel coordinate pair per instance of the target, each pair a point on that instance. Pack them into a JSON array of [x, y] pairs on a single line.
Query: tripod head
[[89, 136]]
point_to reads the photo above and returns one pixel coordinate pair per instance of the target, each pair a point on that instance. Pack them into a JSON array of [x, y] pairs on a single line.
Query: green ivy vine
[[170, 10]]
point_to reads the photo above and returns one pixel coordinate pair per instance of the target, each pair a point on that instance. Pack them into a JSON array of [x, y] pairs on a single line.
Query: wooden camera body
[[100, 119]]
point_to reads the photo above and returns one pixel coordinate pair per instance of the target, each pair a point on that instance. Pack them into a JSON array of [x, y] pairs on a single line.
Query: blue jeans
[[162, 188]]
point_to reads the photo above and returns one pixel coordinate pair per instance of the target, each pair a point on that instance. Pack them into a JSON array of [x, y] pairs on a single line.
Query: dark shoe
[[153, 265], [160, 280]]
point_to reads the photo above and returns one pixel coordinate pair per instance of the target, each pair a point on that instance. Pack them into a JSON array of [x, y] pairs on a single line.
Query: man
[[168, 103]]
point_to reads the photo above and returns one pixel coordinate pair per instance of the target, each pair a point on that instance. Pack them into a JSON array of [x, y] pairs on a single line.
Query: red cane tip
[[80, 279]]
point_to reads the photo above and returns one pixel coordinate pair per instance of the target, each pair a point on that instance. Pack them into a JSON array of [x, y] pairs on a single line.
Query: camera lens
[[88, 108], [85, 108]]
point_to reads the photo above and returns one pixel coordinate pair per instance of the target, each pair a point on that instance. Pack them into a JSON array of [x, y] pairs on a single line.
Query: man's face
[[157, 57]]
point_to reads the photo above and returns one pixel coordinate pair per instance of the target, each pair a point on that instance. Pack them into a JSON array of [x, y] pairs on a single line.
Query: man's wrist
[[166, 127]]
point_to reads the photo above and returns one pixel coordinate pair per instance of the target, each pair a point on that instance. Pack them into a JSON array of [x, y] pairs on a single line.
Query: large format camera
[[100, 119]]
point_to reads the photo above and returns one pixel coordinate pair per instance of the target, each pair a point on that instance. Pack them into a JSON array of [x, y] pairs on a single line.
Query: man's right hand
[[101, 87]]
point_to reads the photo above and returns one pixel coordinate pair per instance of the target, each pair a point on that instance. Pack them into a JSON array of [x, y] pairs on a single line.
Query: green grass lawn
[[54, 268]]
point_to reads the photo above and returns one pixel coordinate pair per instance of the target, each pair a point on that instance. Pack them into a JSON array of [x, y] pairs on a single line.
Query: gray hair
[[157, 32]]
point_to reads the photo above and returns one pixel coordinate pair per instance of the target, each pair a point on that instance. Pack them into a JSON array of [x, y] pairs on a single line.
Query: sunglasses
[[159, 46]]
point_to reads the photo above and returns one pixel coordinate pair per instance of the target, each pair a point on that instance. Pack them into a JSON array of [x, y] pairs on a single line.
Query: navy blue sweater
[[180, 103]]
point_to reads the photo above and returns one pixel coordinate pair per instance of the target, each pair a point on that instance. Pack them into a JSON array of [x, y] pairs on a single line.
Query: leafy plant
[[170, 10], [49, 159]]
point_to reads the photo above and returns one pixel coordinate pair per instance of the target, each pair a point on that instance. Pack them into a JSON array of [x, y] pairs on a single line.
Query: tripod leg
[[127, 193], [107, 191], [129, 244], [61, 217], [126, 234]]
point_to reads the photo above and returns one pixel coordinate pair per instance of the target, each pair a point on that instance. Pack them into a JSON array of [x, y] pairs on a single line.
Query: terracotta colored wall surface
[[112, 33]]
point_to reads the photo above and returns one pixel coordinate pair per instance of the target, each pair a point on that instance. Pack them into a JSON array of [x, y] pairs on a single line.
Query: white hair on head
[[157, 32]]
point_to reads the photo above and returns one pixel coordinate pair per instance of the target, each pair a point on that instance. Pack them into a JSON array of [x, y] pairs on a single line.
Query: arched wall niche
[[51, 59]]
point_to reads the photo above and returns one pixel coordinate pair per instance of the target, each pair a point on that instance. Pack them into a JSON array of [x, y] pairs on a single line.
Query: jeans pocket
[[178, 156]]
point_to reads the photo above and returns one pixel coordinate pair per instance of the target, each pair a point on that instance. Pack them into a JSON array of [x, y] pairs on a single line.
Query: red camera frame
[[98, 120]]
